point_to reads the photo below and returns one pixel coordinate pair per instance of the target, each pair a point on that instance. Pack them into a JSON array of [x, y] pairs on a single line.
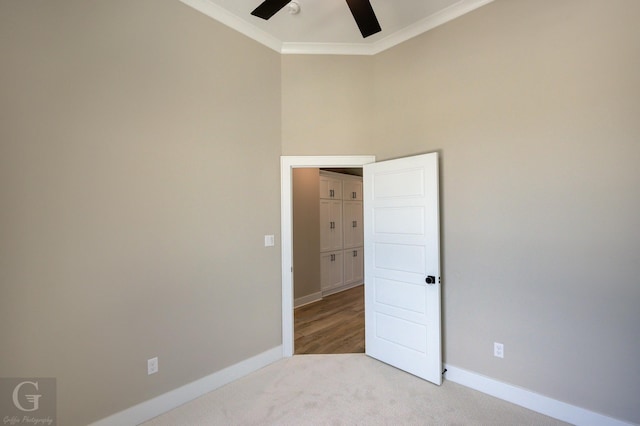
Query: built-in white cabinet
[[353, 266], [330, 187], [341, 232], [330, 225], [352, 190], [352, 225], [331, 270]]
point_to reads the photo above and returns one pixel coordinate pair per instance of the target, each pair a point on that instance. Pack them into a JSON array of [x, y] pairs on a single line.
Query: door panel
[[402, 248], [400, 257], [391, 293], [397, 220], [399, 184], [401, 332]]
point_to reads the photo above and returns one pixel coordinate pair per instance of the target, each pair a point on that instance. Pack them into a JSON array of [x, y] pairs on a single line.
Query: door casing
[[287, 163]]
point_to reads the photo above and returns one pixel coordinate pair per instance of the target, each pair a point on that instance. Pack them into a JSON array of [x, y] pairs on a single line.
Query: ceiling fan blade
[[365, 17], [268, 8]]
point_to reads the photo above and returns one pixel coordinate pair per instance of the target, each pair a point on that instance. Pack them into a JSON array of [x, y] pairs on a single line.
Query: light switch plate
[[269, 240]]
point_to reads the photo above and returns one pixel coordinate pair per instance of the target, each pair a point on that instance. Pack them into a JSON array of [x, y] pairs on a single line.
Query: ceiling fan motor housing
[[294, 8]]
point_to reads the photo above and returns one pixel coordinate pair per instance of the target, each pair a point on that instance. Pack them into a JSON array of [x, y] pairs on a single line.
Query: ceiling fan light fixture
[[361, 10], [294, 8]]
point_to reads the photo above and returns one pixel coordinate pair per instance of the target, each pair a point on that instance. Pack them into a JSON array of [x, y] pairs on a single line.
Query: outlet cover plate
[[152, 365]]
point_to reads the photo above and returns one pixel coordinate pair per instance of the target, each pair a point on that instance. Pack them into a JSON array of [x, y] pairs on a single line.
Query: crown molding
[[294, 48], [430, 22], [327, 49]]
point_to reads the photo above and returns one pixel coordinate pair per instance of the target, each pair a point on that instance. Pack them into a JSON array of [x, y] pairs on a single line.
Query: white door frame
[[287, 163]]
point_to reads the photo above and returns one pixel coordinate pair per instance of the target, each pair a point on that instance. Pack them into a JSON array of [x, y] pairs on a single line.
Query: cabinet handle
[[331, 193], [353, 195], [355, 253], [354, 224]]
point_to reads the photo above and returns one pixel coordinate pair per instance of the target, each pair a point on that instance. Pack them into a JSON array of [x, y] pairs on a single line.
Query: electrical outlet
[[152, 365], [498, 350]]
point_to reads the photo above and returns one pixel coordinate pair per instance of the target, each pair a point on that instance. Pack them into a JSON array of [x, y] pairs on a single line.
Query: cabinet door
[[352, 190], [330, 188], [330, 225], [331, 270], [353, 229], [354, 265]]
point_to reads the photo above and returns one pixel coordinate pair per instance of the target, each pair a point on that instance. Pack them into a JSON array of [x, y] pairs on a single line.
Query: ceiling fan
[[360, 9]]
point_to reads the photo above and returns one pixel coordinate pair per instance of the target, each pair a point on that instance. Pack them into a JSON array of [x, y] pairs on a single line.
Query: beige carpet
[[350, 389]]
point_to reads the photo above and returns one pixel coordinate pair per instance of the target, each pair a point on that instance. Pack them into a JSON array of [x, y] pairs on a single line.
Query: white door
[[402, 264]]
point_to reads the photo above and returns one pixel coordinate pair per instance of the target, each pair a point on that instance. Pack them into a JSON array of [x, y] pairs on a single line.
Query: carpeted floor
[[349, 389]]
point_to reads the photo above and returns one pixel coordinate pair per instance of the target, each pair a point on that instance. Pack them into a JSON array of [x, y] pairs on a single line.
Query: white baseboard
[[528, 399], [305, 300], [341, 288], [172, 399]]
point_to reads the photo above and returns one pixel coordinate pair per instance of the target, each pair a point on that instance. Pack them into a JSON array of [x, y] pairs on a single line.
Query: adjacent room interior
[[328, 260]]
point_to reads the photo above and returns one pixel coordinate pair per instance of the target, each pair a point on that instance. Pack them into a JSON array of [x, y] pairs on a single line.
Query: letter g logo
[[33, 399]]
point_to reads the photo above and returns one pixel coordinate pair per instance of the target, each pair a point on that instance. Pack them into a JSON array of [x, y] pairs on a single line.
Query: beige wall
[[306, 231], [534, 109], [327, 104], [139, 171]]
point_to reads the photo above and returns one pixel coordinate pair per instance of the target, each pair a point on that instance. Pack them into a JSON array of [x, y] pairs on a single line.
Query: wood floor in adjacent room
[[333, 325]]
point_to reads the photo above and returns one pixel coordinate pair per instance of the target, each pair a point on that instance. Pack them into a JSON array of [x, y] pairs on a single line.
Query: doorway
[[402, 259], [287, 164]]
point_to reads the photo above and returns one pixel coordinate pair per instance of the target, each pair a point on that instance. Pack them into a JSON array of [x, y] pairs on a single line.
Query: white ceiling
[[327, 26]]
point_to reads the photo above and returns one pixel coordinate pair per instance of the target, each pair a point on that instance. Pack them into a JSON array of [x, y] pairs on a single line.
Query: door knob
[[430, 279]]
